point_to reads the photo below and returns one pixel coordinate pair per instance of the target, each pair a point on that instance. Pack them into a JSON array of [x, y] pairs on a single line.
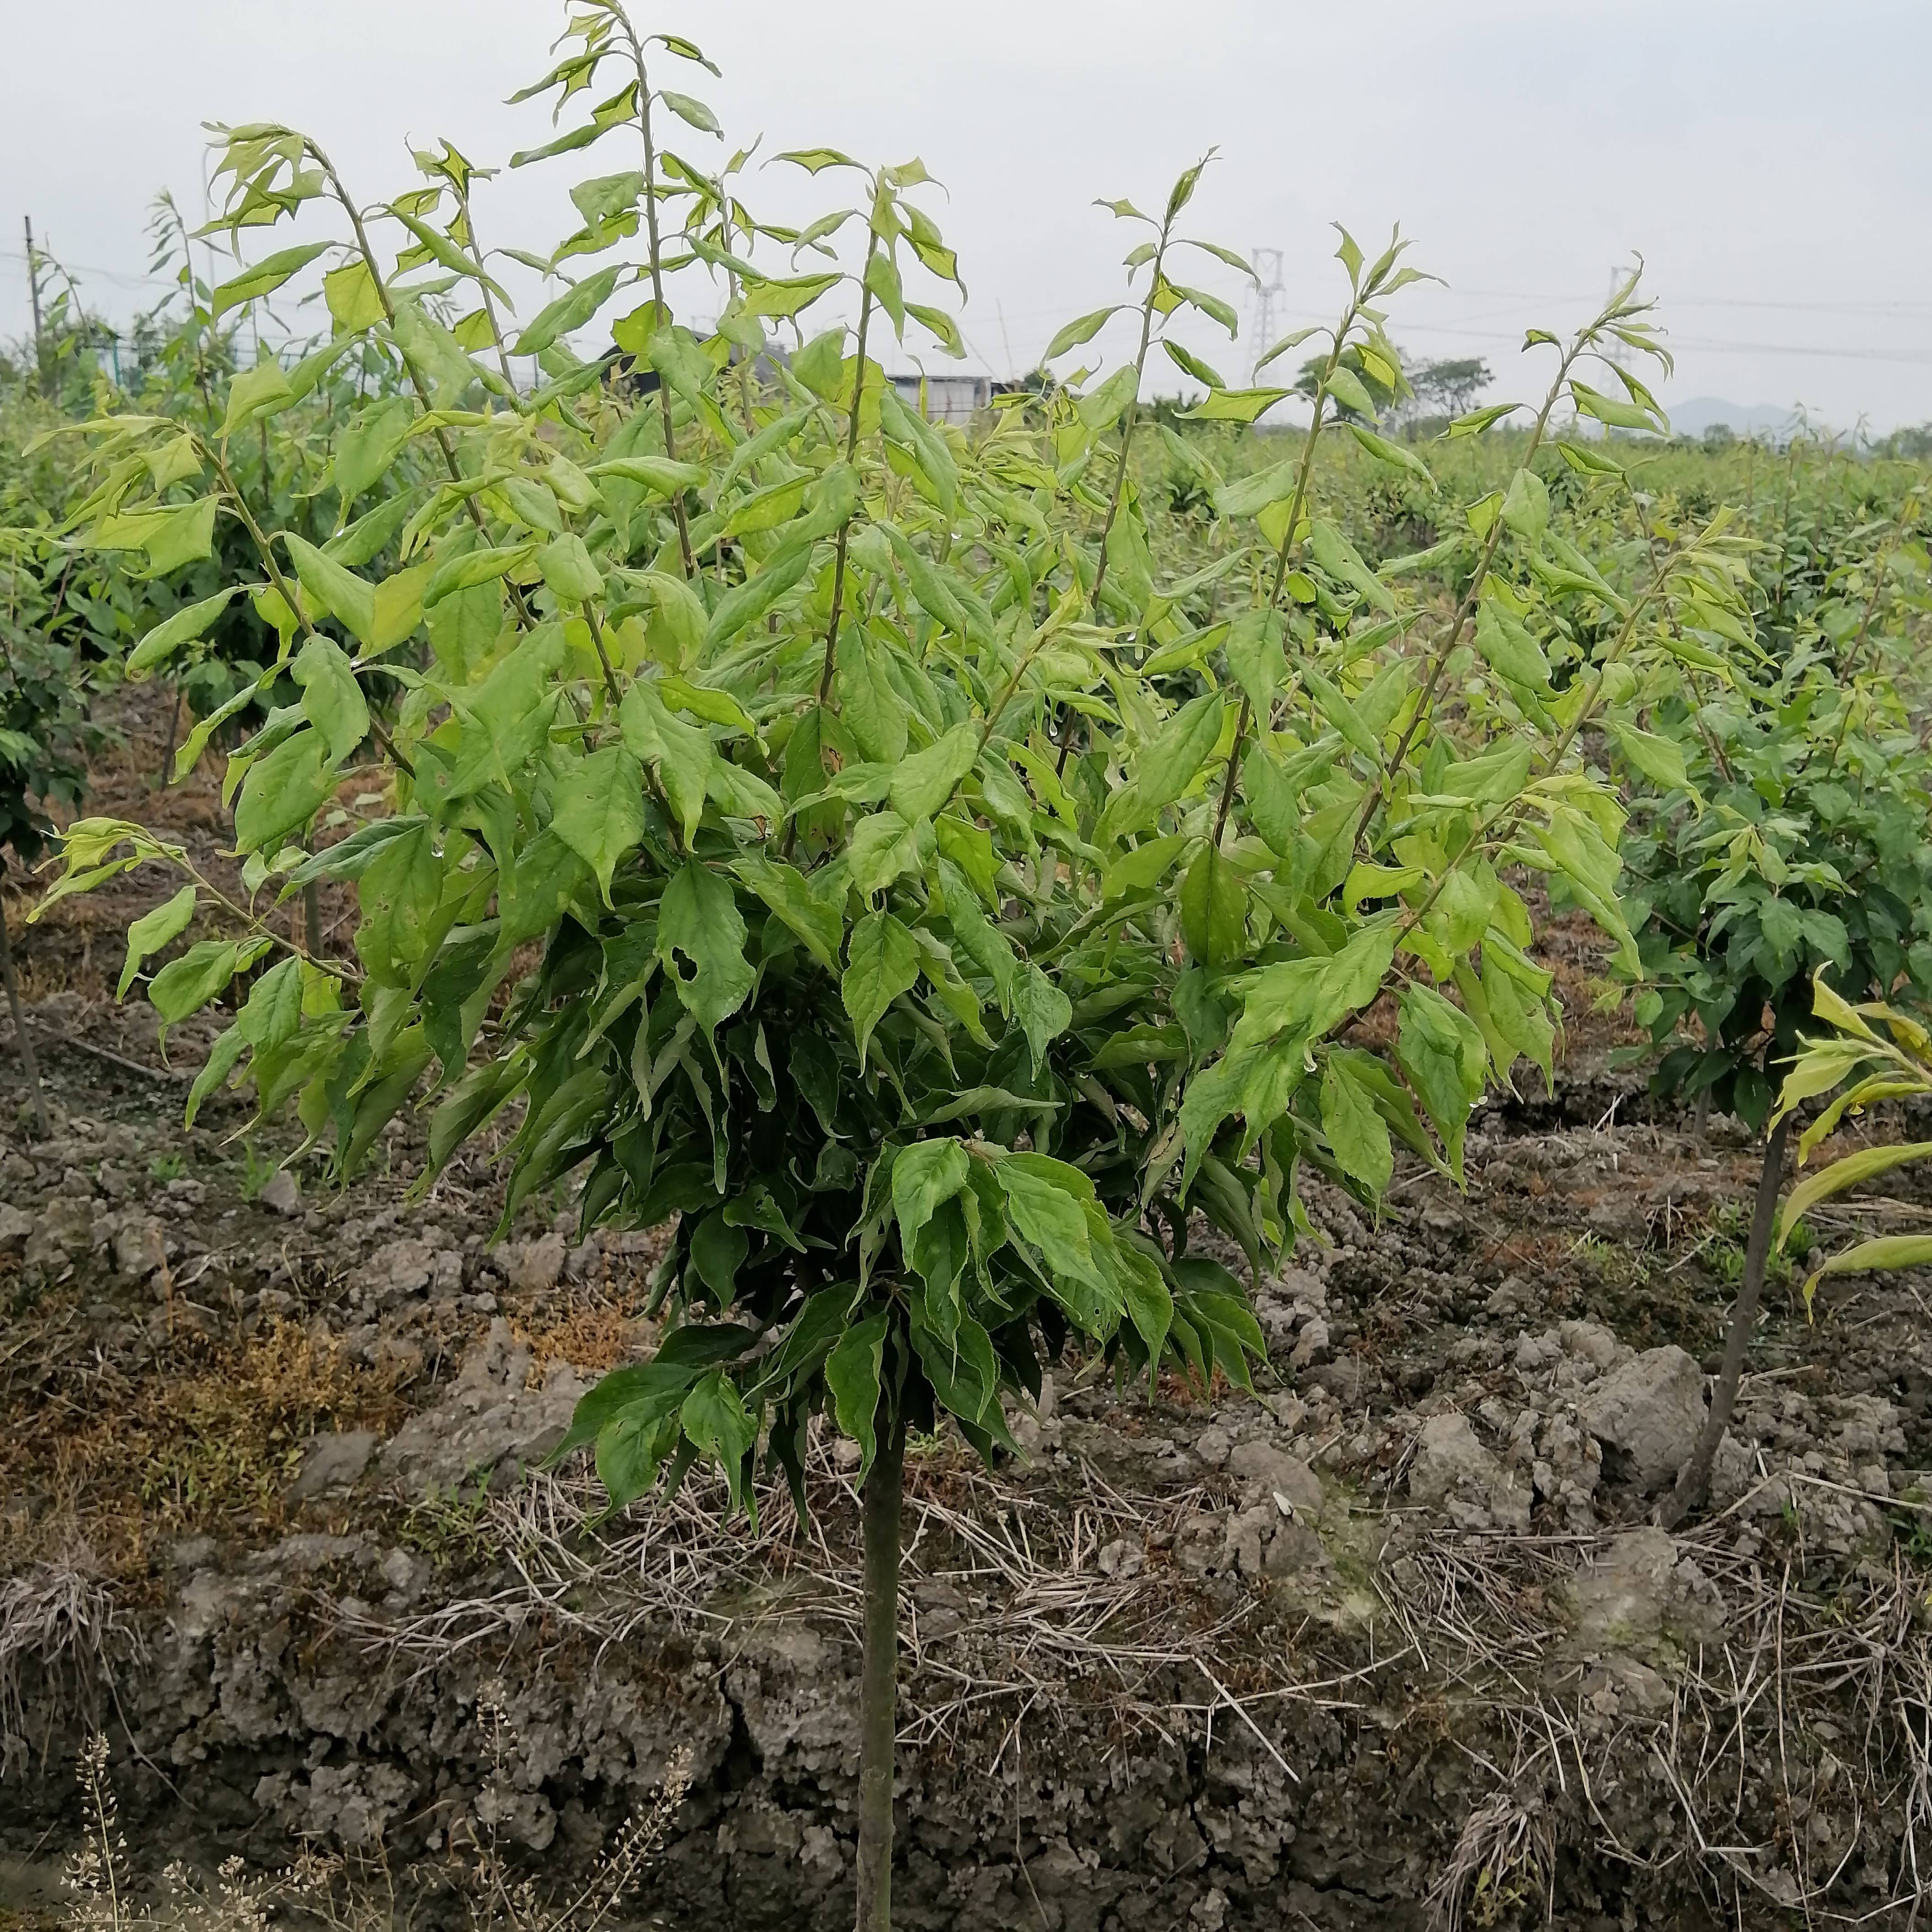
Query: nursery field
[[766, 1164]]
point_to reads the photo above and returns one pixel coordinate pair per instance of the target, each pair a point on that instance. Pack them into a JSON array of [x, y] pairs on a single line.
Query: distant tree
[[1720, 436], [1448, 388], [1914, 445], [1433, 390], [1370, 372]]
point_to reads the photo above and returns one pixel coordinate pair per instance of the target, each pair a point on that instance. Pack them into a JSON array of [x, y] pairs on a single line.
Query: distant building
[[949, 399]]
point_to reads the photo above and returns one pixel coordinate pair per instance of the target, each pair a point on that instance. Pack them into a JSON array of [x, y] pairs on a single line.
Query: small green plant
[[258, 1169], [452, 1526], [1778, 834], [1874, 1052], [170, 1166], [864, 848]]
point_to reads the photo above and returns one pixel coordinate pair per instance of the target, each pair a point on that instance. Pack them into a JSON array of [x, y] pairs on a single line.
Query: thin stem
[[1128, 422], [483, 286], [312, 919], [603, 656], [417, 380], [1552, 758], [1466, 609], [1119, 490], [283, 589], [657, 274], [845, 529], [23, 1043], [826, 670], [1694, 1481], [1857, 651], [880, 1504], [1296, 502]]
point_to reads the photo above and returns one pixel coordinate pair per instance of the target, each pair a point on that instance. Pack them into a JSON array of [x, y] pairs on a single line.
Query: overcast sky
[[1771, 160]]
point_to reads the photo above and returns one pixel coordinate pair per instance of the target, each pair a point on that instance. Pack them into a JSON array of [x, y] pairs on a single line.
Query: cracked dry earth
[[1391, 1644]]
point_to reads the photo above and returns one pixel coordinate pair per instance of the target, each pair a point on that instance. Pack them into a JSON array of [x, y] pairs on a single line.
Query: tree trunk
[[1695, 1479], [885, 1484], [21, 1040], [174, 731]]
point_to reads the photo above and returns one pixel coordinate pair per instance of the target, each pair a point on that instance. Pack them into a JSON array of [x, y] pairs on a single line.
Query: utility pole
[[1269, 291], [34, 296]]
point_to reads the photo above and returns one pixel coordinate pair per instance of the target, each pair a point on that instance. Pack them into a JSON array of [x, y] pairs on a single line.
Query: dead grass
[[600, 1337], [207, 1445]]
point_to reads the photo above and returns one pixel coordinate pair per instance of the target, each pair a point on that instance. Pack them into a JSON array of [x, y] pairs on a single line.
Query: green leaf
[[1442, 1052], [1477, 421], [945, 331], [1336, 555], [698, 918], [1356, 1132], [714, 1418], [484, 565], [1249, 496], [1509, 649], [597, 809], [1190, 364], [1044, 1013], [687, 109], [369, 443], [925, 1174], [1214, 909], [1866, 1164], [744, 604], [570, 310], [1608, 409], [717, 1251], [1348, 388], [332, 700], [345, 596], [924, 781], [186, 985], [258, 392], [882, 848], [1526, 506], [1178, 750], [869, 705], [788, 893], [882, 963], [155, 930], [1240, 405], [658, 473], [567, 568], [1210, 305], [1045, 1210], [191, 622], [682, 752], [1398, 455], [264, 278], [1658, 759], [929, 450], [185, 536], [1150, 1305], [355, 302], [852, 1373], [1886, 1251], [284, 791], [1083, 328], [1273, 804]]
